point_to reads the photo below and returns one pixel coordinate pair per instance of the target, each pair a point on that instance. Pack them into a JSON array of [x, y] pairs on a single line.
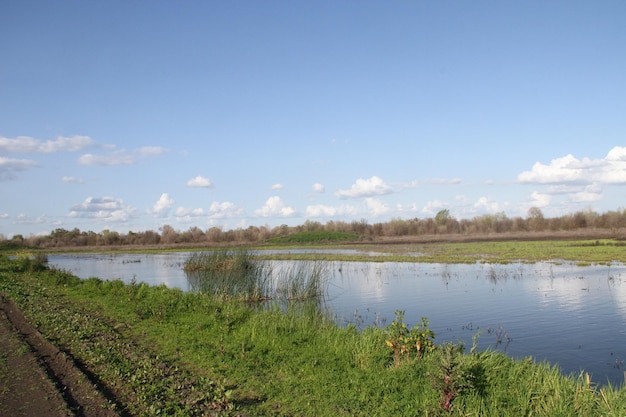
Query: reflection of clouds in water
[[152, 269], [575, 288], [365, 280], [616, 283]]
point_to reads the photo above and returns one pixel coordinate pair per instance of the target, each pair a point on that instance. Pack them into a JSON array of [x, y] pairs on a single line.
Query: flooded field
[[574, 316]]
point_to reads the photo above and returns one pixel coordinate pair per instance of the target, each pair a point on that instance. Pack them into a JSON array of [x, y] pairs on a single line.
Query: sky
[[131, 115]]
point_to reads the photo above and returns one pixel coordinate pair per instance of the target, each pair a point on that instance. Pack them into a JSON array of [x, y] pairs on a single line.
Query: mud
[[36, 378]]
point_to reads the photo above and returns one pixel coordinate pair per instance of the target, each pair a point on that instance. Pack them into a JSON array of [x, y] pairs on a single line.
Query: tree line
[[441, 224]]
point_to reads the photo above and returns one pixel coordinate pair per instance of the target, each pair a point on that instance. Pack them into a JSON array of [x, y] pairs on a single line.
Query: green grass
[[164, 351], [602, 251], [315, 236]]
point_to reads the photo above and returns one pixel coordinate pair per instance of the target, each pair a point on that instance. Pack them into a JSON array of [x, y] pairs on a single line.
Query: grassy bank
[[159, 351], [519, 248], [596, 251]]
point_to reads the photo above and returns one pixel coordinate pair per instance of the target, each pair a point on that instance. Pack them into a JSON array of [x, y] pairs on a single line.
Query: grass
[[237, 274], [603, 251], [162, 351], [315, 236], [229, 274]]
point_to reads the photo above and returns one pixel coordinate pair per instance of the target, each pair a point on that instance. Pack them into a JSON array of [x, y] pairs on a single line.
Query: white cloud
[[189, 212], [569, 169], [488, 205], [200, 182], [320, 210], [559, 170], [274, 207], [115, 158], [186, 215], [433, 207], [103, 208], [444, 181], [319, 188], [589, 194], [224, 209], [4, 215], [162, 206], [120, 157], [365, 188], [26, 144], [9, 166], [277, 186], [540, 199], [24, 219], [151, 151], [376, 207], [72, 180]]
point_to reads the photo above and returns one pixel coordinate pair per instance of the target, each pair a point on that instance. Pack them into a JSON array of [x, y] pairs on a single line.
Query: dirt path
[[36, 379]]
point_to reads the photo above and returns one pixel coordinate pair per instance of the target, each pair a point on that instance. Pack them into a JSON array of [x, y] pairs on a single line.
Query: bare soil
[[36, 378]]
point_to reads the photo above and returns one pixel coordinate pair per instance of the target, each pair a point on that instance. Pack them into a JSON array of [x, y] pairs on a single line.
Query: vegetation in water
[[237, 274], [229, 274], [160, 351]]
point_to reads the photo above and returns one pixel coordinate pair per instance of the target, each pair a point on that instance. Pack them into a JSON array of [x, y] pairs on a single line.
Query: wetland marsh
[[569, 313]]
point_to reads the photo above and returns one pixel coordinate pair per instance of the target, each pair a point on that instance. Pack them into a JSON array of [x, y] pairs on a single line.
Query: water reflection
[[570, 315]]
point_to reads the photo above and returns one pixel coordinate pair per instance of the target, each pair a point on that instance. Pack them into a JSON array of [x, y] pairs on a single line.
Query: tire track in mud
[[80, 394]]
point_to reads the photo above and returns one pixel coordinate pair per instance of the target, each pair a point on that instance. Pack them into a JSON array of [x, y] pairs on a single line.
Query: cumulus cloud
[[365, 188], [318, 188], [540, 199], [187, 215], [4, 215], [376, 207], [103, 208], [370, 207], [224, 209], [72, 180], [10, 166], [200, 182], [277, 186], [488, 205], [27, 144], [274, 207], [162, 206], [569, 169], [320, 210], [433, 207], [588, 194]]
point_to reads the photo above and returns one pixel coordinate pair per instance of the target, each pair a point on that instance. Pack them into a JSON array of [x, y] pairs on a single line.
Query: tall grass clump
[[228, 274], [301, 281]]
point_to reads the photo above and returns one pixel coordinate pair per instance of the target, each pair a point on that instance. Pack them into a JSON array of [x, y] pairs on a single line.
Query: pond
[[569, 315]]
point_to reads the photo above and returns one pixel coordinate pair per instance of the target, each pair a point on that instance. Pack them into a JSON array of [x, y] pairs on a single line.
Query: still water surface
[[568, 315]]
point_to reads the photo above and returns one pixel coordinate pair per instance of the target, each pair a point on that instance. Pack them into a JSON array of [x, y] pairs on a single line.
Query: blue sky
[[132, 115]]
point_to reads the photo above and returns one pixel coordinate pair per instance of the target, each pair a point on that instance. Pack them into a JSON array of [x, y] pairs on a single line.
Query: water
[[562, 313]]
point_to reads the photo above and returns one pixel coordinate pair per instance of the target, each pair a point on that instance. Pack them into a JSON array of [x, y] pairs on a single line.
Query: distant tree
[[311, 225], [535, 219], [442, 217], [168, 234]]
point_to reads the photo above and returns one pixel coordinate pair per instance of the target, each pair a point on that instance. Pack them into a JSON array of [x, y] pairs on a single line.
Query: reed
[[239, 275], [300, 281], [229, 274]]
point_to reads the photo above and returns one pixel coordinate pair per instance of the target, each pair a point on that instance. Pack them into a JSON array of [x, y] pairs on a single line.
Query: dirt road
[[36, 379]]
